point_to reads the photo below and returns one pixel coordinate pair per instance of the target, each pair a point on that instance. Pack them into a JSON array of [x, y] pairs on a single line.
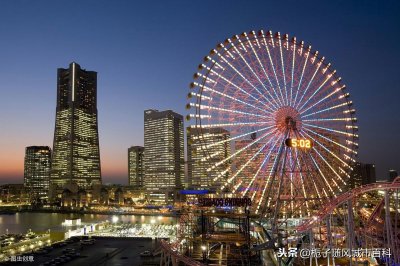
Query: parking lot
[[96, 251]]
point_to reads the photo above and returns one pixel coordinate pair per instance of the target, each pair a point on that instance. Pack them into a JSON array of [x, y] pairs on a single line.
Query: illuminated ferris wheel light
[[264, 89]]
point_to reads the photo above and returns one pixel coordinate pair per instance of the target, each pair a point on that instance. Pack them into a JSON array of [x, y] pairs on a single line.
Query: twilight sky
[[145, 53]]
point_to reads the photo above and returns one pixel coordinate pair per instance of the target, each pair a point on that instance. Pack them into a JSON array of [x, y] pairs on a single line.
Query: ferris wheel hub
[[287, 117]]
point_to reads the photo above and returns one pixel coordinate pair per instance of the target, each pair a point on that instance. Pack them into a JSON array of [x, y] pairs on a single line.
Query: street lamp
[[204, 248]]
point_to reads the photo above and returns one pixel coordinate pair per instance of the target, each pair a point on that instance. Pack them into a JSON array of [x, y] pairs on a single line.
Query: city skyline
[[130, 82]]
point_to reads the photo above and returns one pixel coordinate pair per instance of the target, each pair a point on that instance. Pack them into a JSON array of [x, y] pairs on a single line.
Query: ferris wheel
[[290, 134]]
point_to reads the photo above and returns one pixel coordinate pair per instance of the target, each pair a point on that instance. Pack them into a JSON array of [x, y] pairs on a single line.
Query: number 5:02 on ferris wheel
[[298, 143]]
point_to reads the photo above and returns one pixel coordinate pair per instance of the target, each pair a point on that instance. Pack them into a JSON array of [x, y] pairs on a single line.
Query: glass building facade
[[219, 150], [362, 174], [164, 154], [37, 166], [76, 154], [135, 166], [246, 166]]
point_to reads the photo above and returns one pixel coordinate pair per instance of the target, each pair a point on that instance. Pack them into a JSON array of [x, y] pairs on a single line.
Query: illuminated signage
[[299, 143], [225, 202]]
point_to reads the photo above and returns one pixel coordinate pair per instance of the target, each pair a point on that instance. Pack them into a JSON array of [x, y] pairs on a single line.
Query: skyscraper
[[392, 175], [218, 150], [245, 165], [76, 154], [164, 158], [37, 171], [362, 174], [135, 166]]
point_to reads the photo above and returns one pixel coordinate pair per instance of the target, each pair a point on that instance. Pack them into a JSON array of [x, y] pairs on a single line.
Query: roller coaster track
[[335, 202], [172, 257], [169, 251]]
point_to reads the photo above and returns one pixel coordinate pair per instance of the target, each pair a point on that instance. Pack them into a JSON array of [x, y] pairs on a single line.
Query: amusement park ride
[[290, 113]]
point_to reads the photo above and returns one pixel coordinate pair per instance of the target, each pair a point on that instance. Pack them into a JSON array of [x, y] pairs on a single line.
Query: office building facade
[[392, 175], [164, 158], [37, 166], [76, 153], [136, 166], [213, 144], [362, 174]]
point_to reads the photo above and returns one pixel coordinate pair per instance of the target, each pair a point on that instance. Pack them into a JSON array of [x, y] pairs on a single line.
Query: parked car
[[146, 254]]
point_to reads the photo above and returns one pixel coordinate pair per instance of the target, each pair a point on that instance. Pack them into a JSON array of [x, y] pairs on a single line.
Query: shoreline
[[11, 211]]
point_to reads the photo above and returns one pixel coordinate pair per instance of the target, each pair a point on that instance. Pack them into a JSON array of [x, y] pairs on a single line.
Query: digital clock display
[[298, 143]]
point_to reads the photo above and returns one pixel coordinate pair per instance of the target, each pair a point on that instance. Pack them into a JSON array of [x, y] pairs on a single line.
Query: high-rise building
[[76, 154], [37, 171], [246, 165], [392, 175], [218, 149], [135, 166], [164, 158], [362, 174]]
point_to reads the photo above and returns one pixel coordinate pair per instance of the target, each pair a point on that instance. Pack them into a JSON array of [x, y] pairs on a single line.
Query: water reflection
[[41, 222]]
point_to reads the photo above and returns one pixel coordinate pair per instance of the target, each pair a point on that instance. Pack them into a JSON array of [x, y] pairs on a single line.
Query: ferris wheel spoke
[[302, 72], [309, 170], [274, 166], [241, 150], [224, 95], [249, 67], [339, 119], [331, 140], [234, 138], [314, 181], [230, 124], [292, 186], [323, 176], [265, 73], [273, 69], [280, 189], [283, 68], [298, 197], [331, 167], [311, 80], [208, 107], [328, 109], [293, 62], [269, 80], [300, 187], [247, 163], [206, 79], [222, 173], [267, 157], [331, 130], [241, 75], [237, 87], [319, 88], [303, 181], [328, 150], [229, 181]]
